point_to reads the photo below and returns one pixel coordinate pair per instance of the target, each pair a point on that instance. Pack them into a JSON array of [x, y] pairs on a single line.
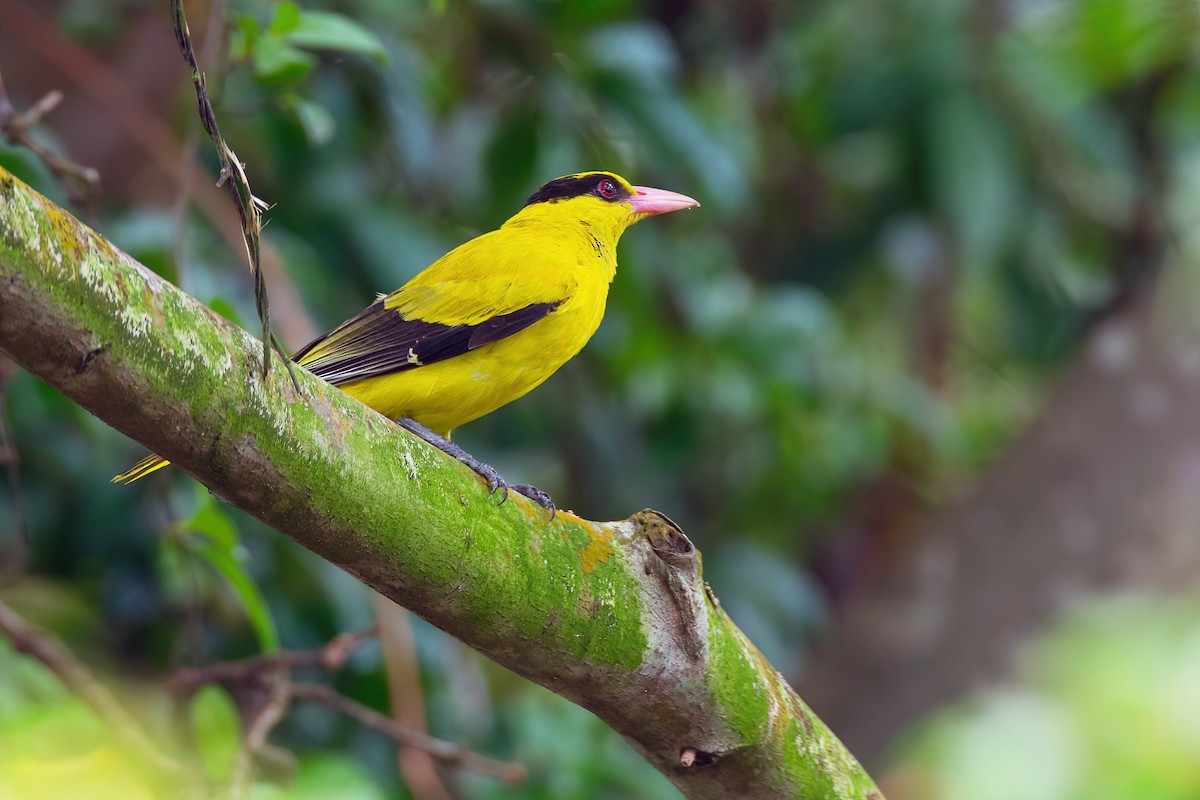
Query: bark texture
[[613, 616]]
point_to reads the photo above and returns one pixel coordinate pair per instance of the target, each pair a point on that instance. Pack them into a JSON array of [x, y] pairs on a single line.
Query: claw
[[491, 476], [494, 480], [536, 495]]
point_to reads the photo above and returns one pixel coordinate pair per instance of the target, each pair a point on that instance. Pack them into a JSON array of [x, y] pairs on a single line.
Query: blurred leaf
[[317, 121], [326, 30], [212, 521], [242, 36], [973, 179], [1108, 708], [286, 19], [216, 728], [247, 591], [277, 61], [217, 544], [330, 776]]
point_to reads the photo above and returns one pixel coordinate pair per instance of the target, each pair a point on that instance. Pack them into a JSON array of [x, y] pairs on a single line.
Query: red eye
[[607, 189]]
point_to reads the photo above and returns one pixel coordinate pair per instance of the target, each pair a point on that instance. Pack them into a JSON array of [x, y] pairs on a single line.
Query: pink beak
[[647, 201]]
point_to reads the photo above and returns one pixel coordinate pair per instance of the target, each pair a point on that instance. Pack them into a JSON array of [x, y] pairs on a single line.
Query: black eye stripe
[[577, 186]]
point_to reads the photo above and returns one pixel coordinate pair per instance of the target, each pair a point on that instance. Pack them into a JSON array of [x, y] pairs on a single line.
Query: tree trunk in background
[[1101, 494]]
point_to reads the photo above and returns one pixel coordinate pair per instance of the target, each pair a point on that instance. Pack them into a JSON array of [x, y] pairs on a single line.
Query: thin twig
[[264, 720], [147, 131], [233, 177], [273, 671], [78, 181], [331, 656], [278, 758], [210, 53], [29, 639], [448, 753]]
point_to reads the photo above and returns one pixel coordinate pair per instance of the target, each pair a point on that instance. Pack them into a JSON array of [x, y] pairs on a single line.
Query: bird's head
[[602, 200]]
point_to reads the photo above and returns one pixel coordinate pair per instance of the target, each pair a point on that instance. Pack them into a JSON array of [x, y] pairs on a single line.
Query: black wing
[[380, 341]]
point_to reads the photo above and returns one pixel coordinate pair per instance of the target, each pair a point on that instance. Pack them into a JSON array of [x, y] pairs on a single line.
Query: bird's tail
[[141, 469]]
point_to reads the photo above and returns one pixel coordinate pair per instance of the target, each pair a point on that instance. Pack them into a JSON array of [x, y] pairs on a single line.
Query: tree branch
[[78, 181], [270, 675], [612, 616], [266, 716], [446, 752], [331, 656]]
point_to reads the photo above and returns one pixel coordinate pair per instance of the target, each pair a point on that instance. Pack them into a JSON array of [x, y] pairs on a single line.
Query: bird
[[487, 322]]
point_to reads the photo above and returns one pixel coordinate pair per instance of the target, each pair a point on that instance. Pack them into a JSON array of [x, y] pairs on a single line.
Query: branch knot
[[667, 539], [678, 573]]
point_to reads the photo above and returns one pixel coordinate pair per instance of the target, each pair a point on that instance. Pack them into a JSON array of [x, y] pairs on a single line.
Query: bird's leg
[[536, 495], [486, 471]]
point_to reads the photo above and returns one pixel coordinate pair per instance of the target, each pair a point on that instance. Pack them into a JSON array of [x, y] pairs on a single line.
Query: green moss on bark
[[566, 602]]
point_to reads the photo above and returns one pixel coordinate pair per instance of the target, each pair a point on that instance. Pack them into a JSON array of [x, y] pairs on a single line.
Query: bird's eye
[[607, 189]]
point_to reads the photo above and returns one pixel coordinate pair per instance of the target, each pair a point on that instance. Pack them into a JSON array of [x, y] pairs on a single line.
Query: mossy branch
[[614, 616]]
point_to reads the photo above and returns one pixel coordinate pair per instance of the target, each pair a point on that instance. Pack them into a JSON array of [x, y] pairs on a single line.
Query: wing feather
[[382, 340]]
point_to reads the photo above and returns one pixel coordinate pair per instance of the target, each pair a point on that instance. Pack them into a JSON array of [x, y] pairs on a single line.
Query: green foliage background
[[912, 211]]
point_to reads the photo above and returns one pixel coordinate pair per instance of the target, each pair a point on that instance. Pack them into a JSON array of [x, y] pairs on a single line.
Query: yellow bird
[[488, 321]]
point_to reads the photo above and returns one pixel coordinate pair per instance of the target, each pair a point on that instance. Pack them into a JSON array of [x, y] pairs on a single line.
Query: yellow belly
[[449, 393]]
